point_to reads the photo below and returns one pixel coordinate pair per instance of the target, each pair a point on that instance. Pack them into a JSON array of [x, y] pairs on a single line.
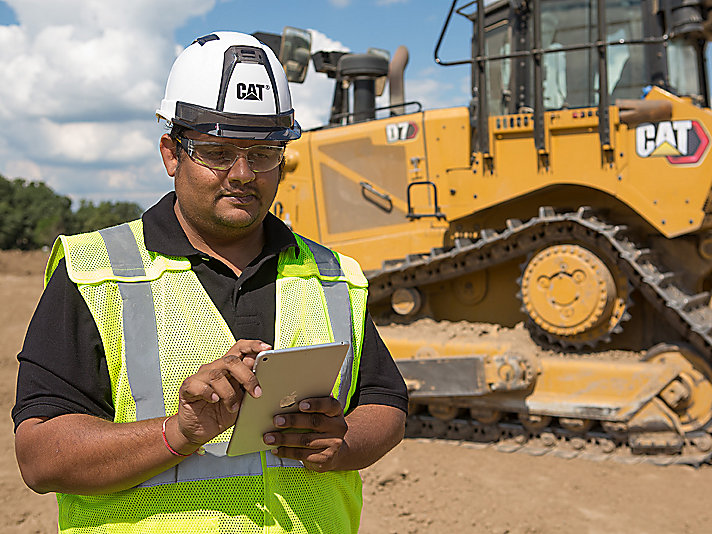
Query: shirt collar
[[163, 233]]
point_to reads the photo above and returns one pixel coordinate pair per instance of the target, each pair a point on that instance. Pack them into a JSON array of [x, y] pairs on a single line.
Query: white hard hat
[[229, 84]]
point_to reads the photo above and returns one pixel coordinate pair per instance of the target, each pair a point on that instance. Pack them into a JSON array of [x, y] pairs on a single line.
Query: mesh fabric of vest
[[192, 332]]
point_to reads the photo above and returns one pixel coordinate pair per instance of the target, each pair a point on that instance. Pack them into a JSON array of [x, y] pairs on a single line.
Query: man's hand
[[319, 448], [209, 400]]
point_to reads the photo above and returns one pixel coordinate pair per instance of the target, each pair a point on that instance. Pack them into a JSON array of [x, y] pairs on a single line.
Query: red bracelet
[[163, 433]]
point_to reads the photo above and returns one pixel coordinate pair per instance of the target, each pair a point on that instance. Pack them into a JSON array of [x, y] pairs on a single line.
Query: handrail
[[568, 48], [338, 116], [442, 35], [436, 208], [385, 197]]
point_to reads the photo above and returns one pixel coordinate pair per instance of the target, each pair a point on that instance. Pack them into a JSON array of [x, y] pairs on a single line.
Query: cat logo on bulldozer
[[681, 142]]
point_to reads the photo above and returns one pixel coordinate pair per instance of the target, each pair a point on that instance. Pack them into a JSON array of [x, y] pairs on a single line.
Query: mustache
[[242, 191]]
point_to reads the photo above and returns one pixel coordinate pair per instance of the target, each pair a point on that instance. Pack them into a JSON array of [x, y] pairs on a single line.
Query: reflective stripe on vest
[[337, 299], [139, 322], [143, 360]]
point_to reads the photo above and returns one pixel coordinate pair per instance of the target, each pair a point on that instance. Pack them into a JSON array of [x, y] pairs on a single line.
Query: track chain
[[689, 314], [552, 441]]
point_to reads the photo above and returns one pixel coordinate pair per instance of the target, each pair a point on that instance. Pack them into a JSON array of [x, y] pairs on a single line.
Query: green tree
[[92, 217], [32, 215]]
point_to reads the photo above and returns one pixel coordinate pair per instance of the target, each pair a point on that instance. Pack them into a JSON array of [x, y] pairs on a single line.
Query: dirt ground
[[422, 486]]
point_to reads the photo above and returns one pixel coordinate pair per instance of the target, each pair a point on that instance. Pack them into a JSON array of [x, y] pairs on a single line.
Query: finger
[[301, 440], [314, 459], [296, 453], [194, 389], [316, 422], [327, 405], [240, 372], [249, 361], [227, 389], [312, 421], [248, 347]]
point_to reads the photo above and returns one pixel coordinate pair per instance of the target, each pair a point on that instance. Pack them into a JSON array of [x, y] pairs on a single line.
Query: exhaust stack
[[395, 80]]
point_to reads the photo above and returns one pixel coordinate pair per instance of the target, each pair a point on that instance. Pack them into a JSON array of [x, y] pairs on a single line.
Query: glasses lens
[[214, 155], [264, 158], [222, 156]]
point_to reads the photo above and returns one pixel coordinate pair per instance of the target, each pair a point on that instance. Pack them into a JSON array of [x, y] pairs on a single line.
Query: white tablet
[[286, 377]]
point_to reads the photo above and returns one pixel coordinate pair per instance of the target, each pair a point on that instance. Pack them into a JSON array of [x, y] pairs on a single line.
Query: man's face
[[220, 204]]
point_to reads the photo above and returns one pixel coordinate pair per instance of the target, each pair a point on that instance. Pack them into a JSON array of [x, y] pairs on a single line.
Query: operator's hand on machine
[[209, 400], [319, 447]]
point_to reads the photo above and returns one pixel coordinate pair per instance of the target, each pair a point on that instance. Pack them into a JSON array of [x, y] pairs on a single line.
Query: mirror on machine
[[295, 52]]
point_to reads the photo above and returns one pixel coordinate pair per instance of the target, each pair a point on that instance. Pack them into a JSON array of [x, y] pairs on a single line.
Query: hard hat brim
[[281, 127]]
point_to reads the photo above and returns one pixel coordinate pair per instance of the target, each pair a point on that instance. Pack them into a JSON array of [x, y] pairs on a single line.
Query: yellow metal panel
[[597, 389], [671, 197], [323, 197], [447, 138], [578, 387], [345, 158], [587, 388], [294, 203], [448, 141], [371, 250]]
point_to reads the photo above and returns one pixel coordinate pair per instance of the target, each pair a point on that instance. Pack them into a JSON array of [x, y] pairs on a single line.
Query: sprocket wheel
[[572, 296]]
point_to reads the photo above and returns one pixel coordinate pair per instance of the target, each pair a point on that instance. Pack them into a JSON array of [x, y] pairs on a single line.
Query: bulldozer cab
[[563, 54]]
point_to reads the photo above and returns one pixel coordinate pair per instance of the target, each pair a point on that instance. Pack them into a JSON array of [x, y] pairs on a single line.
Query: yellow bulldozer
[[572, 194]]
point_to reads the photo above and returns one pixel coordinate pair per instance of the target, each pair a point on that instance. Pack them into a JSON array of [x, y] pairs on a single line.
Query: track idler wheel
[[572, 296], [689, 396]]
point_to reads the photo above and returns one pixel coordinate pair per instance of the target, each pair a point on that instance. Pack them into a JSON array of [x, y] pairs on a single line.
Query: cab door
[[361, 176]]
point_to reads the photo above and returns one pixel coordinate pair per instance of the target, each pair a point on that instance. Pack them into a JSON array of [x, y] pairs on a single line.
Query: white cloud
[[79, 58], [79, 82], [25, 168], [92, 143], [432, 91]]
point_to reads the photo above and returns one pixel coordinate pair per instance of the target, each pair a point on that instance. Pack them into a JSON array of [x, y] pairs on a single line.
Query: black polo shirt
[[62, 363]]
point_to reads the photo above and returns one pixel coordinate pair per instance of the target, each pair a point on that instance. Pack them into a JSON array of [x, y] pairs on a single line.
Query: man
[[140, 351]]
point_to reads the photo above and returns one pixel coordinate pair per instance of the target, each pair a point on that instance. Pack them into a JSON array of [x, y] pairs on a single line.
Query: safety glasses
[[222, 156]]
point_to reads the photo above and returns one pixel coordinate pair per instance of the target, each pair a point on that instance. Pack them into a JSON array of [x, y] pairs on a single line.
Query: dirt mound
[[422, 486], [21, 263], [517, 339]]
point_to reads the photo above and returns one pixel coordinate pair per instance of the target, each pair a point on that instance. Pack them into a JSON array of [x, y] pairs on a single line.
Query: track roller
[[444, 412], [534, 422], [486, 416]]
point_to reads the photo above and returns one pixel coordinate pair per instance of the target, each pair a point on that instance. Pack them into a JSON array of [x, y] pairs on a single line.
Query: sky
[[80, 80]]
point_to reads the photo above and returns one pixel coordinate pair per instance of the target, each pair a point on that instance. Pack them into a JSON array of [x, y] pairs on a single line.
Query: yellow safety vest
[[158, 325]]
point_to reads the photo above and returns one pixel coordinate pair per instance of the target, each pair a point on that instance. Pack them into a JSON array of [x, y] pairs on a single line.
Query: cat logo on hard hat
[[681, 142], [251, 91]]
